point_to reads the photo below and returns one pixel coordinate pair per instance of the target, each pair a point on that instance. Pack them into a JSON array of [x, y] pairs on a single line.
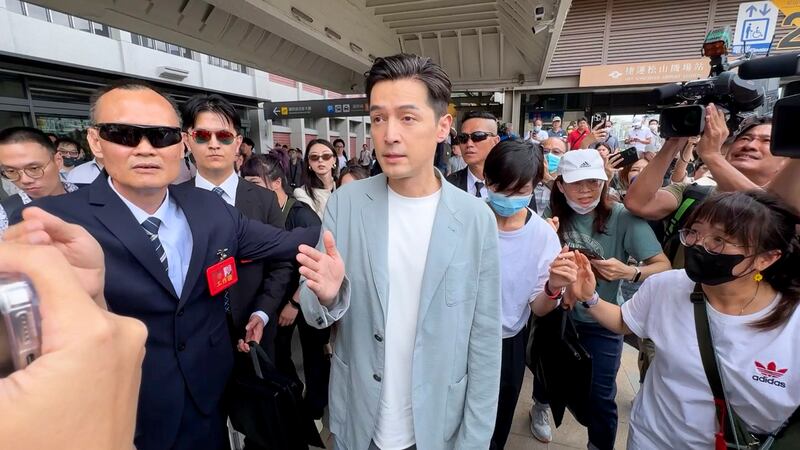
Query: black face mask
[[703, 267]]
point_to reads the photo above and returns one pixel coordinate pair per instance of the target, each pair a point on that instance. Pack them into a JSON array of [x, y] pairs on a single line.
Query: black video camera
[[737, 97]]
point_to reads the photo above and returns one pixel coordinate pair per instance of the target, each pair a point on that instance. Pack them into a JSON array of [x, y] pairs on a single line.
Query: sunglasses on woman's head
[[224, 137], [131, 135], [478, 136], [324, 157]]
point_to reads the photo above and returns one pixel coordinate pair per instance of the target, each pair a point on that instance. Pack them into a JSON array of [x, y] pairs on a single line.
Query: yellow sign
[[653, 72], [787, 6], [284, 110]]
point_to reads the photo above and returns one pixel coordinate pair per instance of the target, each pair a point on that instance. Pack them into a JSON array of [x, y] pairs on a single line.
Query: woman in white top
[[531, 276], [743, 250], [319, 180]]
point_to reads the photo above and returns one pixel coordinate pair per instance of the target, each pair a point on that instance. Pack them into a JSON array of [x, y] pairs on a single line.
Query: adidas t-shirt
[[675, 407]]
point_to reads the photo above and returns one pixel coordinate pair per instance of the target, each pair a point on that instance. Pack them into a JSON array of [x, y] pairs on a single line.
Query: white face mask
[[580, 209]]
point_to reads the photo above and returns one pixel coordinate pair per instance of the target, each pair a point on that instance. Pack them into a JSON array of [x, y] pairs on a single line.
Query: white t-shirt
[[409, 234], [525, 258], [675, 407], [641, 133]]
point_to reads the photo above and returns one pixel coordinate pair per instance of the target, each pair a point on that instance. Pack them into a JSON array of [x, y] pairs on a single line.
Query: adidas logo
[[770, 374], [770, 370], [585, 165]]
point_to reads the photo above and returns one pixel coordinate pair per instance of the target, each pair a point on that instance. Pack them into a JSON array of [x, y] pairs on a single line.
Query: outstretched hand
[[324, 272], [80, 249], [583, 288]]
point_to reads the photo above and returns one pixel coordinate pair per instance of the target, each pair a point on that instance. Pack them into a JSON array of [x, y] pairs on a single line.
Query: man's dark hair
[[478, 115], [650, 122], [210, 103], [249, 142], [583, 119], [512, 164], [408, 66], [750, 122], [66, 140], [337, 140], [126, 84], [19, 135]]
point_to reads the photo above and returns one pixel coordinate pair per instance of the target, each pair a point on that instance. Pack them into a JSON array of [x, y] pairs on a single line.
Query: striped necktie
[[218, 190], [151, 226]]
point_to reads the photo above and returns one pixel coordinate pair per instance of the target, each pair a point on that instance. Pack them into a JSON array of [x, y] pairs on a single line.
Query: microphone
[[664, 94], [771, 67]]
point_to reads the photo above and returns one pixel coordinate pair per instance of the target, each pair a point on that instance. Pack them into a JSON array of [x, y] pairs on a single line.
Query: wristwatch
[[638, 275], [294, 303], [592, 301]]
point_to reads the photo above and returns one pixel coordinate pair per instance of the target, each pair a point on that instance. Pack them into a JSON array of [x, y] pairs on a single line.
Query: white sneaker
[[540, 422]]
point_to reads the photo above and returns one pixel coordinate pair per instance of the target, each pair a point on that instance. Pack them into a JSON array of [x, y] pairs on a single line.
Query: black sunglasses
[[478, 136], [131, 135]]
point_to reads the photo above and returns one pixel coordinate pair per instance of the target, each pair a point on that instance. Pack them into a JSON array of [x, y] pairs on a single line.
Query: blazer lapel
[[197, 217], [445, 238], [375, 220], [113, 213]]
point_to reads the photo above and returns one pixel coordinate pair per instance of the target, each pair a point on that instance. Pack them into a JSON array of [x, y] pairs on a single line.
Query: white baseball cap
[[577, 165], [556, 119]]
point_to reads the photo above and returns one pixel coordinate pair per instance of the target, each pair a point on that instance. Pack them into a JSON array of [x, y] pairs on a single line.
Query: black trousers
[[316, 363], [512, 373]]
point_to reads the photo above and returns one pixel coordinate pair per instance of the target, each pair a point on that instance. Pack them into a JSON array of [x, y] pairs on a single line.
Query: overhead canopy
[[482, 44]]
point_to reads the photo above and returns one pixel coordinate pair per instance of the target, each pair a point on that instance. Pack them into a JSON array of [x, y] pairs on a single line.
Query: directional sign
[[310, 109], [755, 27]]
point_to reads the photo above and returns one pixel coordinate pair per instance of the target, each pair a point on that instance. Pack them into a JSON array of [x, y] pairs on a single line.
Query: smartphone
[[21, 324], [591, 254], [629, 156], [599, 118]]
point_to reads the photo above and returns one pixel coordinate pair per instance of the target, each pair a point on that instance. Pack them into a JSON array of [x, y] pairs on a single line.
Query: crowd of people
[[419, 276]]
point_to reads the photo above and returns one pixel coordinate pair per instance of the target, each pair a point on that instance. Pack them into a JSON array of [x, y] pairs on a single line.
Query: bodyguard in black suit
[[159, 276], [212, 134], [477, 138]]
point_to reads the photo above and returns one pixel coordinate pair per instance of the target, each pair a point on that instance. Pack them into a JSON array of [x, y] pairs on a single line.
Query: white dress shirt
[[174, 234], [229, 186], [471, 179], [85, 173]]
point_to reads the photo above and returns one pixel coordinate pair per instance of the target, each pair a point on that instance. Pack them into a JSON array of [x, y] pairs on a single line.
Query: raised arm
[[645, 197]]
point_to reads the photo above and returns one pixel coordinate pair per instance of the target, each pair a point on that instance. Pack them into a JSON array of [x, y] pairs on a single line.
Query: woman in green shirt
[[608, 235]]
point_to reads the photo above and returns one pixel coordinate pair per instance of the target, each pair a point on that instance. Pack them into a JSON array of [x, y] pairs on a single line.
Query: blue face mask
[[552, 162], [506, 205]]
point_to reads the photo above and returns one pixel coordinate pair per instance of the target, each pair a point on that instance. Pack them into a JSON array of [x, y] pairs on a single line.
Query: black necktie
[[151, 226], [227, 301], [478, 187]]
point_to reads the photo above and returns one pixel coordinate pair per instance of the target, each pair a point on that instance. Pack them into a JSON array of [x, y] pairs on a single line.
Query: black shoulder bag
[[732, 432]]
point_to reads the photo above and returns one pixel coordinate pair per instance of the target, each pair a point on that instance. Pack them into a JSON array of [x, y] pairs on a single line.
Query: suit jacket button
[[180, 312], [378, 338], [376, 377], [181, 347]]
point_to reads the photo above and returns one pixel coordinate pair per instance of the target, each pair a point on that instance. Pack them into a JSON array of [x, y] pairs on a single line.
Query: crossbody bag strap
[[708, 356]]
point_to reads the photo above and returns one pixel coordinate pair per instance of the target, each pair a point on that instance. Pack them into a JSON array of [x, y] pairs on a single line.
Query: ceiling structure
[[481, 44]]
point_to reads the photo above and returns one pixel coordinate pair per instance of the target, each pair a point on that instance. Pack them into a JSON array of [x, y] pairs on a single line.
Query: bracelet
[[555, 295], [592, 301], [294, 303]]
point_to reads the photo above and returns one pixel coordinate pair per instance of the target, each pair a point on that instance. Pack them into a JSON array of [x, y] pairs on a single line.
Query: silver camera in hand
[[20, 327]]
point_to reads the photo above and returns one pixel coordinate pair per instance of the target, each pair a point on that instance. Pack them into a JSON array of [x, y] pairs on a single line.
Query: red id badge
[[221, 275]]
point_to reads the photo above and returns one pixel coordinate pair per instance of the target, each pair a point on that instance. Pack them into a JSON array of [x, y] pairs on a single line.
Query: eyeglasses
[[478, 136], [224, 137], [69, 153], [591, 184], [714, 245], [131, 135], [324, 157], [34, 172]]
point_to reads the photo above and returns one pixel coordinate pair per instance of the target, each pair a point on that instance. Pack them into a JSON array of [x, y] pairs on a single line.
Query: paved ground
[[571, 435]]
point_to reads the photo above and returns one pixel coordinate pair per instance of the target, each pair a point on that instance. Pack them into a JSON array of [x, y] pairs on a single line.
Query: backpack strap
[[693, 195], [287, 208]]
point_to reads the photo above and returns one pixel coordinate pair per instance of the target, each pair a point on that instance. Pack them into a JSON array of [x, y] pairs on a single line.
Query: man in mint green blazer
[[416, 360]]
